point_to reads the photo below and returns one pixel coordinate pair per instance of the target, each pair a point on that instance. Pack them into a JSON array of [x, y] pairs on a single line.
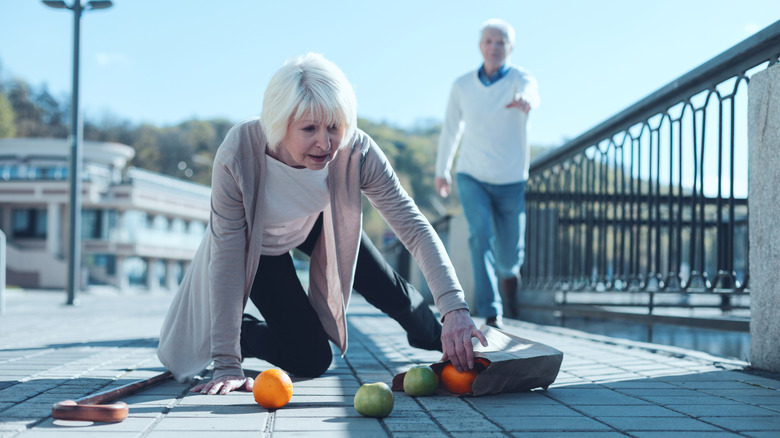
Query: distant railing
[[655, 198], [3, 265]]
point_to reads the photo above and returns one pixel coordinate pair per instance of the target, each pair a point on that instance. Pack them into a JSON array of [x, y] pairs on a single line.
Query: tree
[[7, 118], [54, 116], [29, 117]]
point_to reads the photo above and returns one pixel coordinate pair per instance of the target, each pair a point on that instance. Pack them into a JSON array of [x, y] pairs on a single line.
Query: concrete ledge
[[764, 221]]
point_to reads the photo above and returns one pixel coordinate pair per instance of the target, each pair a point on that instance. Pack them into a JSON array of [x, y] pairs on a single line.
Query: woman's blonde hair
[[308, 84]]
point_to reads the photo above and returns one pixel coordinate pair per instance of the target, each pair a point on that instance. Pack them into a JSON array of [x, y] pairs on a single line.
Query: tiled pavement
[[606, 388]]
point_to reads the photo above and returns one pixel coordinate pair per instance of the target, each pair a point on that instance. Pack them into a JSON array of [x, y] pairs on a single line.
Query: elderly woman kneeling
[[293, 178]]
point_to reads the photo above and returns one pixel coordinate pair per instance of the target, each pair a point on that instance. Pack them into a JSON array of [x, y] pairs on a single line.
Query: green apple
[[420, 380], [374, 400]]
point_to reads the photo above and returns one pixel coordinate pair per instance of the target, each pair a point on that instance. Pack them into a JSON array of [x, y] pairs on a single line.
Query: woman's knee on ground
[[310, 361]]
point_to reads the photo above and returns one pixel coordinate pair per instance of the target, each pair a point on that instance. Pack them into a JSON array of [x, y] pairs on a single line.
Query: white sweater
[[492, 137]]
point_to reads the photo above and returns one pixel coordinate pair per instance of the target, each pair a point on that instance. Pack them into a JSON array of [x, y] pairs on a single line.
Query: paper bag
[[516, 365]]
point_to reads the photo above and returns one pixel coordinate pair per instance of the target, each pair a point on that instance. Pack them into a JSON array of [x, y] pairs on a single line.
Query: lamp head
[[99, 4], [59, 4], [93, 4]]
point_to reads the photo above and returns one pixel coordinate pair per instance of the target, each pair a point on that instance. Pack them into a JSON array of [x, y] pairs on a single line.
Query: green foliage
[[412, 154], [7, 118], [38, 114]]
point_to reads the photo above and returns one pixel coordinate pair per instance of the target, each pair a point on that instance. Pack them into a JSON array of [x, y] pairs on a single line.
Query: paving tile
[[350, 425], [406, 423], [238, 422], [47, 433], [324, 412], [201, 434], [545, 423], [15, 424], [518, 398], [746, 423], [723, 410], [27, 410], [644, 383], [438, 435], [768, 401], [644, 393], [702, 399], [207, 410], [686, 434], [445, 403], [649, 411], [668, 424], [130, 424], [592, 396], [565, 434], [551, 410], [467, 423]]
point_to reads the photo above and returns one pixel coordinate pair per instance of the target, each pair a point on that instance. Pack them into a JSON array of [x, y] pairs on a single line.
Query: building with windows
[[139, 228]]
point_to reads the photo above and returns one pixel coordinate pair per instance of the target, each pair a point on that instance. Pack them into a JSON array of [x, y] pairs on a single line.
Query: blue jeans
[[496, 218]]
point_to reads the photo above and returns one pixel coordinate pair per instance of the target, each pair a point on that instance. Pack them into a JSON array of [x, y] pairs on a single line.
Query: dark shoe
[[495, 322]]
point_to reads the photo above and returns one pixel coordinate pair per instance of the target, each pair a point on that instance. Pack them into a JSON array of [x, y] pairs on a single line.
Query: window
[[197, 228], [29, 223], [91, 224]]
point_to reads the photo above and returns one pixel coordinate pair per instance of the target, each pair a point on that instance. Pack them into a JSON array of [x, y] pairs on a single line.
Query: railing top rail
[[761, 47]]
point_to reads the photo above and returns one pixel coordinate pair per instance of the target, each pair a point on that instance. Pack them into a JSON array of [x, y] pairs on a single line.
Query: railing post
[[3, 263], [764, 223]]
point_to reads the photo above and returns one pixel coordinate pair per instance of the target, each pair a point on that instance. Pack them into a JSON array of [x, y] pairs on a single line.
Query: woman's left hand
[[456, 337], [224, 385]]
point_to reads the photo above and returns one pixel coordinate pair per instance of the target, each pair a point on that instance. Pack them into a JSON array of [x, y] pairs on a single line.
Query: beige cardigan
[[203, 323]]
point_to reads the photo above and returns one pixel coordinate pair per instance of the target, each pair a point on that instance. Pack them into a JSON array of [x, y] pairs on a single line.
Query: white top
[[492, 138], [293, 200]]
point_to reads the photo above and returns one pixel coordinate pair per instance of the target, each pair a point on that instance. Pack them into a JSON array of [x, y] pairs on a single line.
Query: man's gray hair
[[501, 26], [304, 86]]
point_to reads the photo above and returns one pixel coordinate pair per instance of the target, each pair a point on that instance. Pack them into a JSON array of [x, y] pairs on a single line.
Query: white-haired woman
[[293, 178]]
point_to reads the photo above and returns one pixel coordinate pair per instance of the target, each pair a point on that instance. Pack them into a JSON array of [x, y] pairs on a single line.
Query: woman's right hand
[[442, 186], [225, 384], [456, 334]]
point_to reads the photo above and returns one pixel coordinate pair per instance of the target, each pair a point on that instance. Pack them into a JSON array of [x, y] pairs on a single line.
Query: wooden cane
[[91, 409]]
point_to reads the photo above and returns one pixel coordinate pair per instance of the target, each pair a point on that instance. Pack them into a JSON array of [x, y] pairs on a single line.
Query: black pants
[[291, 335]]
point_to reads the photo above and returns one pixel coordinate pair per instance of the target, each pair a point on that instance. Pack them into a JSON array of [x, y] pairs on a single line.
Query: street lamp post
[[76, 133]]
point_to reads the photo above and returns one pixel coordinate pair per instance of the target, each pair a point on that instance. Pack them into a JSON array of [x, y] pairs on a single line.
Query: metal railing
[[655, 198], [3, 265]]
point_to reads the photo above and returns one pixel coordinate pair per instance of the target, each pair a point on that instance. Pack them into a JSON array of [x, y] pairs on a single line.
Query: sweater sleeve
[[382, 188], [450, 134], [530, 91], [227, 266]]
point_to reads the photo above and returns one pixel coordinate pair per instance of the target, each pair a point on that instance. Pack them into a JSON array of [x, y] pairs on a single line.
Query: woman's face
[[309, 143]]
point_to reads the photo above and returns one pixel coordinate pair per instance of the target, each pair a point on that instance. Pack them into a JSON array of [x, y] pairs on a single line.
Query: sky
[[167, 61]]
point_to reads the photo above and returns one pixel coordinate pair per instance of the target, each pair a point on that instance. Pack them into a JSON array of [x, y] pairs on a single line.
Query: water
[[720, 343]]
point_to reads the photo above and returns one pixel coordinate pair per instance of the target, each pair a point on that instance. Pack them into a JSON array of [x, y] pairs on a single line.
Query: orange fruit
[[458, 382], [273, 389]]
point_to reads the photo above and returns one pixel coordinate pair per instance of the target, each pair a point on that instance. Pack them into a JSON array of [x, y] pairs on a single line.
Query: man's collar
[[490, 80]]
